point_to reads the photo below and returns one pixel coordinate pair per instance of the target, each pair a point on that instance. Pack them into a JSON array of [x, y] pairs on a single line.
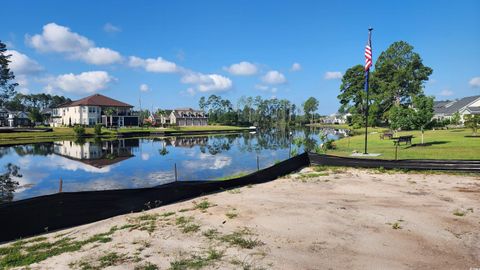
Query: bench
[[405, 139], [388, 135]]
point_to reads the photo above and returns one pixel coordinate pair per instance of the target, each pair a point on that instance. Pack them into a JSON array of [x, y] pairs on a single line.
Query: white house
[[335, 118], [467, 105], [92, 110], [188, 117]]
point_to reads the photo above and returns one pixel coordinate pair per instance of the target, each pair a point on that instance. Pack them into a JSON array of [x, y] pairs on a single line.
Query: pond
[[32, 170]]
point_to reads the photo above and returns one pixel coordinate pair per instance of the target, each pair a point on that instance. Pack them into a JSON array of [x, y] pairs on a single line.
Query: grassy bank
[[443, 144], [67, 133]]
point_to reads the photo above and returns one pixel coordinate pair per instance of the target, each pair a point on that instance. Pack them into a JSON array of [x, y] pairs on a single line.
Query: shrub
[[97, 129], [79, 130]]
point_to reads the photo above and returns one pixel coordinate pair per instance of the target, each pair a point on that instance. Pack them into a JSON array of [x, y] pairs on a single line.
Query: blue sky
[[173, 52]]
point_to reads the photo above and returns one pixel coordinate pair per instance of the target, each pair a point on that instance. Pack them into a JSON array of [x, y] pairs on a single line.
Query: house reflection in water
[[97, 154], [186, 141]]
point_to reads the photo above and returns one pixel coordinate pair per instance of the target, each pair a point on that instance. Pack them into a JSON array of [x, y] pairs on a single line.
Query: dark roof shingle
[[97, 100]]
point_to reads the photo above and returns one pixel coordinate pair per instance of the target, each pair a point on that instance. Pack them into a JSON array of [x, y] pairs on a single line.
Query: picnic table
[[406, 139]]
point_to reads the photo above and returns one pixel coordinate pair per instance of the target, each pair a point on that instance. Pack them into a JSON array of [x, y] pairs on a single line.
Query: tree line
[[257, 111]]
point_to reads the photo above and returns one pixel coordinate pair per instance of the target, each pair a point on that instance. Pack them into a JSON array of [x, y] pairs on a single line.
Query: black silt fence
[[408, 164], [63, 210]]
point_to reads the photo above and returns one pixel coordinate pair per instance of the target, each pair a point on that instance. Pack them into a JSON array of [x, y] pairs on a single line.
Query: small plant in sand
[[231, 215], [203, 205], [197, 261], [459, 213], [241, 238], [187, 225], [234, 191], [396, 226]]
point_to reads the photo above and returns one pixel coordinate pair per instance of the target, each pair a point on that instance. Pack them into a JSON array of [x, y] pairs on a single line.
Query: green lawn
[[445, 144]]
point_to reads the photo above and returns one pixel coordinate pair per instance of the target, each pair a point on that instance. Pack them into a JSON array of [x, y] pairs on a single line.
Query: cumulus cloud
[[60, 39], [110, 28], [158, 65], [83, 83], [274, 77], [333, 75], [475, 82], [296, 67], [144, 87], [100, 56], [207, 82], [22, 64], [266, 88], [243, 69], [446, 93]]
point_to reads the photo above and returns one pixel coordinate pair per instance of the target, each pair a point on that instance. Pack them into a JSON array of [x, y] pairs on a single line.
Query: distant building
[[179, 117], [3, 117], [18, 119], [335, 118], [95, 109], [188, 117], [445, 109]]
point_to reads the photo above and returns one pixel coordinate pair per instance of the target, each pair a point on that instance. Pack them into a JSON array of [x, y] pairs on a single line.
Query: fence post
[[175, 167], [60, 187], [258, 165]]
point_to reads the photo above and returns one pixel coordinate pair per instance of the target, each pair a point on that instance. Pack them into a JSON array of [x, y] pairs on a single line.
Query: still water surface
[[141, 162]]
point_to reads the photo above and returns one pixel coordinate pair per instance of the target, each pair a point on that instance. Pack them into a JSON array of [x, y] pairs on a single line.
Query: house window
[[91, 121], [84, 109]]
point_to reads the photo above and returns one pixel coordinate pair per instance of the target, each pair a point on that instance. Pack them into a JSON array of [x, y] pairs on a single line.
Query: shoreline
[[18, 138]]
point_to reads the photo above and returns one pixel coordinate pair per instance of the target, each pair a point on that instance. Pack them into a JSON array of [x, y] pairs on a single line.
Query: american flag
[[368, 55]]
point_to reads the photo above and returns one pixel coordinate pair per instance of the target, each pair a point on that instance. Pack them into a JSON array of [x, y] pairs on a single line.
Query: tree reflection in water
[[7, 184]]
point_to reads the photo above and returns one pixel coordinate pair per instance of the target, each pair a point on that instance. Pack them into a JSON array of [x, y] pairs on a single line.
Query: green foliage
[[7, 184], [79, 130], [7, 86], [34, 115], [309, 107], [97, 130], [398, 78], [472, 121], [455, 120]]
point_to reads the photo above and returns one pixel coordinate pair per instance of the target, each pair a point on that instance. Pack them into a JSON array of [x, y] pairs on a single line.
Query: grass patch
[[241, 238], [111, 259], [22, 253], [231, 215], [187, 225], [211, 234], [203, 205], [459, 213], [445, 144], [197, 261], [396, 226], [146, 266]]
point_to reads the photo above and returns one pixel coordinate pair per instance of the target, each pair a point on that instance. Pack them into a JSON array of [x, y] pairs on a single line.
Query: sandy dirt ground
[[329, 219]]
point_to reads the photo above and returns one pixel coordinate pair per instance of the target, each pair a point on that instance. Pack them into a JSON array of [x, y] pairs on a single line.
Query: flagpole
[[367, 73]]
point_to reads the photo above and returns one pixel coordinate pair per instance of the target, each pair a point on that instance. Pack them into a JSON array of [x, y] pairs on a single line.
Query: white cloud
[[243, 69], [60, 39], [110, 28], [475, 82], [158, 65], [57, 38], [21, 64], [101, 56], [207, 82], [333, 75], [296, 67], [83, 83], [266, 88], [274, 77], [446, 93], [144, 87]]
